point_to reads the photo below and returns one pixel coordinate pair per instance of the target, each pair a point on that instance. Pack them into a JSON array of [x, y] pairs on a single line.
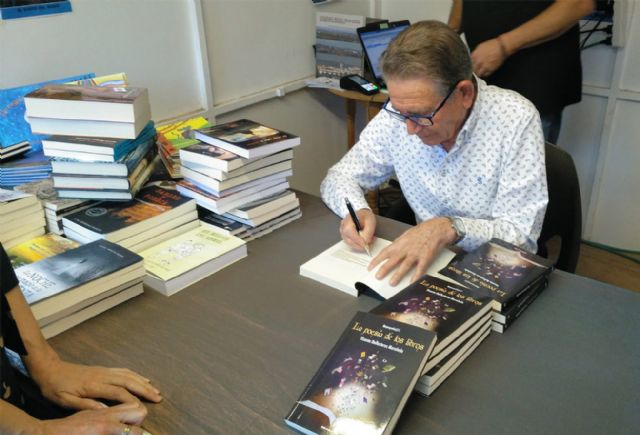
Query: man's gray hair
[[431, 50]]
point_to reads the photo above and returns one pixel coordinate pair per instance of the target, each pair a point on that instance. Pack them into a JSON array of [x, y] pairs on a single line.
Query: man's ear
[[468, 92]]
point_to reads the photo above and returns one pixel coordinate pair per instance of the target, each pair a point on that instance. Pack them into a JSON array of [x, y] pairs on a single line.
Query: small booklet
[[344, 268]]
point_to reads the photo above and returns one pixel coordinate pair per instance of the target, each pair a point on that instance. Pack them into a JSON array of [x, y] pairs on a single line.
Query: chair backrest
[[564, 212]]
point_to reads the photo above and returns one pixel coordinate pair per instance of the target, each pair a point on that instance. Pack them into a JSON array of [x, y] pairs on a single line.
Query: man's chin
[[430, 141]]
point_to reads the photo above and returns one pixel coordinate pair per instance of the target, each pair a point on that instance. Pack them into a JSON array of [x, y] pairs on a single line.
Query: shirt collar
[[473, 118]]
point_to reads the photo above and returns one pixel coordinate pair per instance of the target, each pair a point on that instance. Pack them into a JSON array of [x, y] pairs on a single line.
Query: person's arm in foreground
[[74, 386], [489, 55]]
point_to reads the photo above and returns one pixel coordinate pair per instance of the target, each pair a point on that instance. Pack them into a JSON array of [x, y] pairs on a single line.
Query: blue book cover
[[13, 127]]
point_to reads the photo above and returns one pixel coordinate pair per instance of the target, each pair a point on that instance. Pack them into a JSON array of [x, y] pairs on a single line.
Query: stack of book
[[240, 171], [54, 208], [68, 288], [460, 318], [31, 167], [21, 217], [154, 215], [185, 259], [102, 142], [513, 277], [172, 138], [362, 385], [39, 248], [13, 150]]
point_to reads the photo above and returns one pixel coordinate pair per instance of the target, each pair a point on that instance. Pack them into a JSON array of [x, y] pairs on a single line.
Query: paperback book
[[116, 221], [104, 149], [250, 165], [499, 269], [72, 268], [345, 269], [247, 138], [39, 248], [365, 380], [436, 305], [96, 103], [434, 377], [173, 137], [183, 260]]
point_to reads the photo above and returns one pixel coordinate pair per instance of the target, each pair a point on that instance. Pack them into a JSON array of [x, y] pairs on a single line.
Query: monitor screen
[[375, 42]]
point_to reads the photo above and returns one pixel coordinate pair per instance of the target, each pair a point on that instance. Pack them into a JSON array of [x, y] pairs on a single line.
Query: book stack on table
[[513, 277], [78, 283], [13, 150], [33, 166], [54, 208], [102, 142], [239, 172], [21, 217], [460, 317], [153, 216]]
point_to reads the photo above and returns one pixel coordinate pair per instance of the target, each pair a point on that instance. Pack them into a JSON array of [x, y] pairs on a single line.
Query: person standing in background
[[529, 46]]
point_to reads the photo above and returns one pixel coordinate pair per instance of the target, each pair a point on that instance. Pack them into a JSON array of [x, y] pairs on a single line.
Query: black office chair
[[564, 211]]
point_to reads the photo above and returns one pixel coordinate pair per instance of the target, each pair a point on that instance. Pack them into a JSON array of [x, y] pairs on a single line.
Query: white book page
[[342, 267]]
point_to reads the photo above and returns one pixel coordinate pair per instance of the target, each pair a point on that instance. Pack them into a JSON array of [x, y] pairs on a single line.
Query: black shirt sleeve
[[8, 327]]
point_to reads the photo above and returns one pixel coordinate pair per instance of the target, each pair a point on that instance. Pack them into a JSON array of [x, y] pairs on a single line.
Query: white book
[[253, 176], [99, 103], [166, 235], [248, 166], [11, 200], [55, 328], [222, 204], [83, 127], [264, 205], [16, 239], [183, 260], [264, 218], [345, 269], [159, 229]]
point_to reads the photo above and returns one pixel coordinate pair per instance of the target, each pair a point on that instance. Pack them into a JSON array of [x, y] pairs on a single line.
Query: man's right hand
[[351, 236]]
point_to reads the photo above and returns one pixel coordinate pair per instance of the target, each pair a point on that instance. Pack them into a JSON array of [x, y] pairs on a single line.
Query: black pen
[[356, 222]]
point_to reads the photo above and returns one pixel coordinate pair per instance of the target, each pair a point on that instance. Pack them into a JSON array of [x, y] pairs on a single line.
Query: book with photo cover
[[39, 248], [247, 138], [345, 269], [73, 268], [96, 103], [437, 305], [499, 269], [118, 220], [365, 380]]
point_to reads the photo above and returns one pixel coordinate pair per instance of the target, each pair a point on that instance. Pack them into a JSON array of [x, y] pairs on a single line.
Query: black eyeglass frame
[[422, 120]]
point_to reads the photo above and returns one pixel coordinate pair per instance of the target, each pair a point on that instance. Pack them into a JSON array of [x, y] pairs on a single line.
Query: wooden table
[[233, 352]]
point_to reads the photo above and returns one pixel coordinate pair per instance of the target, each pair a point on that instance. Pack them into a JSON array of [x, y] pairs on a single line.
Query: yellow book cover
[[171, 136], [38, 248], [187, 251]]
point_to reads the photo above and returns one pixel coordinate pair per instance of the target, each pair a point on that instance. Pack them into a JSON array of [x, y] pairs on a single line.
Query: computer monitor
[[375, 39]]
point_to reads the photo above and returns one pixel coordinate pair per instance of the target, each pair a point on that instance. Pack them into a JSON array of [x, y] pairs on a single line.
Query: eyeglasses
[[423, 120]]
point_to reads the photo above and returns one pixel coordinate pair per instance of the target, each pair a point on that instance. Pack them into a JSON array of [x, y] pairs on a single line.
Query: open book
[[344, 268]]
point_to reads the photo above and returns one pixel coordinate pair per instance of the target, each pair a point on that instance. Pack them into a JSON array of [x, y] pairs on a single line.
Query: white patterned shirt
[[493, 178]]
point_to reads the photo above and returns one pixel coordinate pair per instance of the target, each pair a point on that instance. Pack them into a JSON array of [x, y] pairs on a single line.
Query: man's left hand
[[417, 246], [487, 57]]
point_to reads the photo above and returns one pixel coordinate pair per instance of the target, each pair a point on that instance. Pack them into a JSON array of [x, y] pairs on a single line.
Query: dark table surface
[[233, 352]]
